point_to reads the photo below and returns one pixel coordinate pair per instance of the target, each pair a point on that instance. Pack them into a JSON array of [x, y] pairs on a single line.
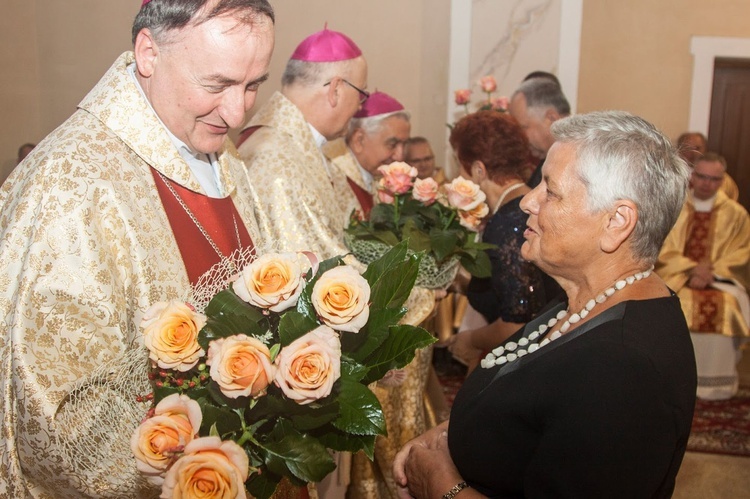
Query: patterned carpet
[[722, 426]]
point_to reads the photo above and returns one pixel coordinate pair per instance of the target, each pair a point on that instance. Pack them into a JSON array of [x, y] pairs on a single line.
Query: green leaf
[[444, 243], [392, 257], [229, 315], [479, 266], [360, 411], [418, 240], [397, 351], [394, 285], [294, 325], [360, 345], [289, 451], [224, 419], [344, 442], [262, 485], [351, 369]]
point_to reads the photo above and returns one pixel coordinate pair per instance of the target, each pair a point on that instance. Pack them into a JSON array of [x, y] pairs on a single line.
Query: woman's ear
[[619, 225], [478, 171]]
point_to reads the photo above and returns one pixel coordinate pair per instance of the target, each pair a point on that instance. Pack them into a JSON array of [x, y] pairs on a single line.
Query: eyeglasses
[[363, 94], [707, 178]]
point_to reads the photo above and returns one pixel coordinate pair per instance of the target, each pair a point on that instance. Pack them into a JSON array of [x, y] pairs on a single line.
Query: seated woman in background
[[493, 152], [595, 397]]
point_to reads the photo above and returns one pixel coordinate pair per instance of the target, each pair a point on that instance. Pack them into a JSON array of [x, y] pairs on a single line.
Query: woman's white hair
[[621, 156]]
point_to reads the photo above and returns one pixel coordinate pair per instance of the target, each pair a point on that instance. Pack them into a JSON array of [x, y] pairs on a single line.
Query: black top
[[603, 411], [516, 291]]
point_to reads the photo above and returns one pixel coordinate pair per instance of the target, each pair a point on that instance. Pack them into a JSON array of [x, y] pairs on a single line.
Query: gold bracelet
[[455, 490]]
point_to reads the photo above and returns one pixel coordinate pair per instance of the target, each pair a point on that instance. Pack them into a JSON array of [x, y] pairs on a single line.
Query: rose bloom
[[240, 365], [425, 190], [464, 194], [210, 467], [309, 366], [273, 281], [170, 332], [462, 96], [500, 103], [341, 298], [384, 196], [175, 423], [472, 219], [398, 177], [488, 83]]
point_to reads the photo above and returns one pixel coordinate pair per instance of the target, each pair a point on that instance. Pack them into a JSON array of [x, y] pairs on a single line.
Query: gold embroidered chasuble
[[85, 249], [723, 238], [342, 158], [302, 203]]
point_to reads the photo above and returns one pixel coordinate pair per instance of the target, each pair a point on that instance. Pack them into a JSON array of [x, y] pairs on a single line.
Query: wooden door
[[729, 125]]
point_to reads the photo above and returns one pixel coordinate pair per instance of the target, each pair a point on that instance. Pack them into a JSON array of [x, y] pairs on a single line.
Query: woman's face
[[561, 234]]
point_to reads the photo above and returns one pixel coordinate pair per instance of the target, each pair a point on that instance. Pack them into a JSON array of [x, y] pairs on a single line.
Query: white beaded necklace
[[511, 350]]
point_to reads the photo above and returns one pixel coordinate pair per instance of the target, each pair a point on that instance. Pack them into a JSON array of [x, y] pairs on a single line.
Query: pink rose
[[385, 197], [341, 298], [209, 467], [472, 219], [488, 84], [462, 96], [425, 190], [273, 281], [500, 104], [241, 366], [155, 442], [170, 332], [464, 194], [398, 177], [309, 366]]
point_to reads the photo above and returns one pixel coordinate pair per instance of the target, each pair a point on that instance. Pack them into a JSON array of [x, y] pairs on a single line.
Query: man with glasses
[[296, 192], [705, 260], [418, 153]]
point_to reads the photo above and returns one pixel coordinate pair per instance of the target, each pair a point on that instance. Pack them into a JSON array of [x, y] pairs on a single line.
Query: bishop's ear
[[146, 52]]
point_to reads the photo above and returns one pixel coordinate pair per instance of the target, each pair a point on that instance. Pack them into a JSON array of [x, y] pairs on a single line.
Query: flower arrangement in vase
[[273, 373], [439, 221], [488, 85]]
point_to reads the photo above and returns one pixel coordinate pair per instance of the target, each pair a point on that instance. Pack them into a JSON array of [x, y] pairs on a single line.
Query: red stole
[[708, 304], [365, 198], [245, 134], [217, 216]]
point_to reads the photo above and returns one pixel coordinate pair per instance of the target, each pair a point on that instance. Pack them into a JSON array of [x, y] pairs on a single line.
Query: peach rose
[[500, 103], [170, 332], [488, 83], [241, 365], [341, 298], [384, 196], [425, 190], [309, 366], [462, 96], [154, 443], [398, 177], [472, 219], [464, 194], [273, 281], [209, 467]]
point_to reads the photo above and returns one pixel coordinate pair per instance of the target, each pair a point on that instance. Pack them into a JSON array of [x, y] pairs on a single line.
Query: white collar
[[703, 205]]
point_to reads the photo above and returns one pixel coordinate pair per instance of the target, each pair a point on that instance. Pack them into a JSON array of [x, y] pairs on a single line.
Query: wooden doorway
[[729, 124]]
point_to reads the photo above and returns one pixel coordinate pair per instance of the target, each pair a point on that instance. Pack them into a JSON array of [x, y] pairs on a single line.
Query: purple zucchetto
[[378, 103], [326, 46], [145, 2]]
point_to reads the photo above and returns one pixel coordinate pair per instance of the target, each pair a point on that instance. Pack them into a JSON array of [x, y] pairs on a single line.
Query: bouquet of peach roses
[[273, 373], [440, 221]]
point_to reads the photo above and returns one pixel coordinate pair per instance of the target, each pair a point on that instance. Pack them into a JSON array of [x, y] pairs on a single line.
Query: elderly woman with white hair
[[594, 397]]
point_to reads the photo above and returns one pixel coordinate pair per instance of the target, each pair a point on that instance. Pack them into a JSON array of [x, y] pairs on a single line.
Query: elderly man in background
[[705, 260], [692, 146], [536, 104], [127, 203], [295, 190], [376, 137], [418, 153]]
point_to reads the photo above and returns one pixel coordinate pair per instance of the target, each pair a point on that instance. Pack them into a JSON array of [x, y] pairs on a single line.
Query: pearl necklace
[[505, 193], [511, 350]]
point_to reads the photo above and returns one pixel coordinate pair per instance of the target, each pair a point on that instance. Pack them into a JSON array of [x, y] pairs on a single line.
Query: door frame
[[705, 49]]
